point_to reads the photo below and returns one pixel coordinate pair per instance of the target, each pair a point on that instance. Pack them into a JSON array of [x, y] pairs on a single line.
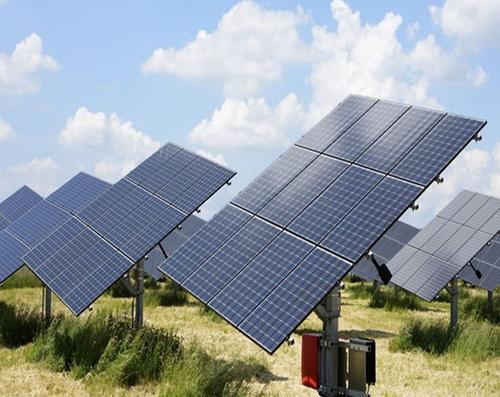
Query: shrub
[[476, 307], [392, 299], [19, 326]]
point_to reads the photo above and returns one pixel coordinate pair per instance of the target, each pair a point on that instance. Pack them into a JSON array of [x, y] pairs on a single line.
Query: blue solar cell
[[204, 243], [274, 178], [230, 259], [368, 221], [19, 203], [12, 249], [325, 212], [292, 200], [335, 123], [287, 305], [155, 257], [366, 130], [384, 154], [437, 149], [250, 287], [3, 222], [78, 192], [38, 223]]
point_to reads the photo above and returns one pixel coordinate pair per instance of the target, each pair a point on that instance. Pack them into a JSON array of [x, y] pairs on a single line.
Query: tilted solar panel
[[318, 201], [170, 244], [44, 218], [18, 203], [385, 248], [3, 222], [431, 259], [124, 224]]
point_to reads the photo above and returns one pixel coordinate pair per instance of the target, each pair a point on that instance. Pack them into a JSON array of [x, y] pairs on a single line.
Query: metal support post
[[490, 302], [375, 285], [139, 297], [47, 303], [454, 303], [329, 372]]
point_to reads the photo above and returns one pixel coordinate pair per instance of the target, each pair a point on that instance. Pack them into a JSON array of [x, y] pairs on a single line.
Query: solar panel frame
[[447, 160]]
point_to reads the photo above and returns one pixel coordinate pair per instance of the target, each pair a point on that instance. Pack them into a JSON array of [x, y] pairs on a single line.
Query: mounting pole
[[490, 302], [46, 303], [375, 285], [139, 297], [329, 374], [454, 303]]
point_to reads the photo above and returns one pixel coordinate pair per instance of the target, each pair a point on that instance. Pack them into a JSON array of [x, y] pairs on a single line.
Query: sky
[[98, 86]]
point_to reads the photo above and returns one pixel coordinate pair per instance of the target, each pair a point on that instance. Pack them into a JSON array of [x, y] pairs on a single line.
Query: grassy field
[[413, 373]]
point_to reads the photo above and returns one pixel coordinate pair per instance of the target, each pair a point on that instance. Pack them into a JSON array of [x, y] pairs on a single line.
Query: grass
[[23, 278], [388, 298], [166, 294], [476, 307], [216, 357], [471, 340], [19, 325]]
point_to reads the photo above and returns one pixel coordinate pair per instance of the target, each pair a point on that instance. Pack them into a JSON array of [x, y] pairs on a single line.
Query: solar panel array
[[441, 249], [266, 259], [384, 249], [487, 261], [17, 204], [170, 244], [88, 254], [44, 218]]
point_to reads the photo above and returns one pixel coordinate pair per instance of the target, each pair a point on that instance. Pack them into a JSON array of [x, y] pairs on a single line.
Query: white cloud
[[19, 72], [370, 59], [251, 123], [43, 175], [118, 146], [412, 29], [476, 23], [247, 50], [217, 158], [6, 131]]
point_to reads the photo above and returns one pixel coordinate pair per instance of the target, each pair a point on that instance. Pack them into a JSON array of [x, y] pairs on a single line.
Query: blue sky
[[97, 86]]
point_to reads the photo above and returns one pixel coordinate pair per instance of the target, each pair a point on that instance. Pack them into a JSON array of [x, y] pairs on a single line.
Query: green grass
[[19, 325], [471, 340], [166, 294], [391, 299], [476, 307], [23, 278]]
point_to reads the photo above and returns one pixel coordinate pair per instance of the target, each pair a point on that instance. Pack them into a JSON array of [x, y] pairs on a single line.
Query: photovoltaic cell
[[293, 299], [336, 122], [345, 210], [90, 252], [437, 148], [366, 130], [3, 222], [292, 200], [12, 249], [274, 178], [19, 203], [446, 245], [384, 249], [78, 192]]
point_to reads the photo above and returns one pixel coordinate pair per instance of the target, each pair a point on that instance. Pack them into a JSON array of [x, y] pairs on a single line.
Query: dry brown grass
[[398, 374]]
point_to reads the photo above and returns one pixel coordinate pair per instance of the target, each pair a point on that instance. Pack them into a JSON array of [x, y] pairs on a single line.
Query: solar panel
[[44, 218], [123, 224], [170, 244], [3, 222], [385, 248], [18, 203], [436, 254], [322, 195]]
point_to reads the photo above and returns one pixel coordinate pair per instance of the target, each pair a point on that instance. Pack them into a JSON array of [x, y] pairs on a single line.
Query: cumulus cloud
[[217, 158], [19, 72], [370, 59], [43, 175], [247, 50], [474, 22], [6, 131], [250, 123], [118, 146]]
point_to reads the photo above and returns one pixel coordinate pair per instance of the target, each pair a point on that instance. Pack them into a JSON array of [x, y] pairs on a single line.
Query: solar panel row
[[448, 243], [124, 224], [18, 203], [317, 194], [44, 218], [385, 248]]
